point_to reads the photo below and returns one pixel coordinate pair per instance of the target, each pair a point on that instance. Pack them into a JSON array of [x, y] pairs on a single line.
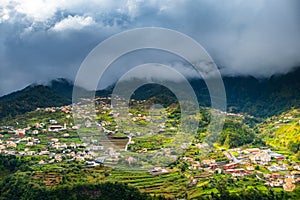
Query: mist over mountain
[[257, 97], [44, 40]]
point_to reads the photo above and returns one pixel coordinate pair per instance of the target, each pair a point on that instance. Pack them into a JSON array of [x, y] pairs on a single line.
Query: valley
[[46, 148]]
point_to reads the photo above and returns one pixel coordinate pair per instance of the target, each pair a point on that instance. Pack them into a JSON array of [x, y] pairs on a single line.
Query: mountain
[[62, 87], [265, 97], [257, 97], [58, 93]]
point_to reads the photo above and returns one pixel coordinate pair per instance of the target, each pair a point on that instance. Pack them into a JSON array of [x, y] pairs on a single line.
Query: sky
[[42, 40]]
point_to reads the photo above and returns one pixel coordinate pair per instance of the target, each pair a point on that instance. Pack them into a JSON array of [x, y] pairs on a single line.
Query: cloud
[[38, 10], [4, 15], [45, 39], [73, 23]]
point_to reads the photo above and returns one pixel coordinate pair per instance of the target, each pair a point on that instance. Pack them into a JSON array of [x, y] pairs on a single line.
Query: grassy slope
[[281, 134]]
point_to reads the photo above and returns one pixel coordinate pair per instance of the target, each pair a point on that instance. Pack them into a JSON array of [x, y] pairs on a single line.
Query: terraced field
[[173, 184]]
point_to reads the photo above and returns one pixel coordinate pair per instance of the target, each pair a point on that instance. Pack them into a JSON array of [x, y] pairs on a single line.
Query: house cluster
[[243, 162], [237, 172], [66, 109], [35, 129], [284, 120], [8, 146], [22, 142], [68, 155], [286, 181], [159, 170], [256, 155], [55, 151], [235, 114]]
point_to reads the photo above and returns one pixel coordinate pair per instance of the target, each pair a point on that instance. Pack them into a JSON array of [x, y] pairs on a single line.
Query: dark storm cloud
[[42, 40]]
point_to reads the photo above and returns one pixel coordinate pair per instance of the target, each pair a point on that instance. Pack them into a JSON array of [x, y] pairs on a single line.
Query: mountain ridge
[[258, 97]]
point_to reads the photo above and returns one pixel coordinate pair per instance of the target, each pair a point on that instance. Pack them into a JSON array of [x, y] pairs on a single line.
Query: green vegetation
[[26, 177], [235, 134], [282, 131], [29, 99], [18, 187]]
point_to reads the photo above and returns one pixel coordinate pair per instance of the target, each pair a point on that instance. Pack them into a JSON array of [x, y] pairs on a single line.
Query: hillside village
[[56, 141]]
